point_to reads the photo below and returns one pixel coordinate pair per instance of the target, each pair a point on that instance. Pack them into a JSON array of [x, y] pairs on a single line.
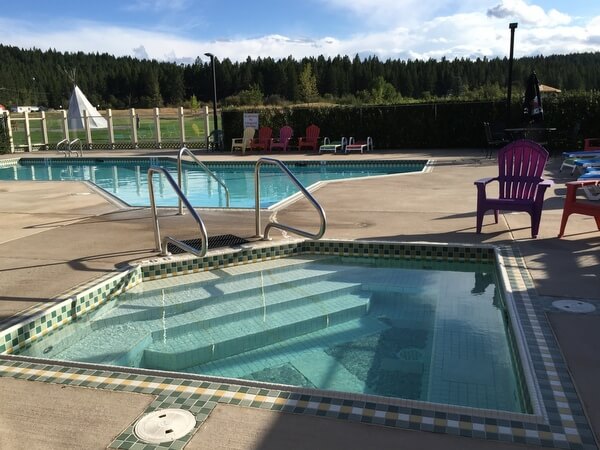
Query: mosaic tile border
[[45, 318], [562, 425]]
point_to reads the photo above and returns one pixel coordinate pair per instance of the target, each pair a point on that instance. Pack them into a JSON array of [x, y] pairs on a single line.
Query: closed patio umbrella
[[532, 104]]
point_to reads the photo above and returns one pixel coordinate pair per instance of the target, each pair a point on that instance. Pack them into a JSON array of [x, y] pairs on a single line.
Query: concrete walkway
[[56, 235]]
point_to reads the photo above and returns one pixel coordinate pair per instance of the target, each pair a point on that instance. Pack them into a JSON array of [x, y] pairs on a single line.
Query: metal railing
[[309, 197], [162, 247], [206, 169], [69, 150]]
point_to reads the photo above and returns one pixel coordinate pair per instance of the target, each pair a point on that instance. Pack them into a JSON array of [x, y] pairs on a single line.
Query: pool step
[[232, 308], [123, 343], [183, 301], [244, 365], [237, 337]]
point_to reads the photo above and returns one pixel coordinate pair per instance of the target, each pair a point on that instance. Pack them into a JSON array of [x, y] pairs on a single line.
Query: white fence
[[126, 129]]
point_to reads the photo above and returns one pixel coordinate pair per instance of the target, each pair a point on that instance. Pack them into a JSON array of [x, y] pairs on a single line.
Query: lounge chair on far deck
[[311, 140], [333, 146], [263, 141], [282, 142], [244, 142], [362, 146]]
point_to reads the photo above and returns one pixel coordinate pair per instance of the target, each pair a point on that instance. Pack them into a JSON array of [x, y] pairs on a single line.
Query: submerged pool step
[[205, 345], [183, 301], [120, 343], [233, 308]]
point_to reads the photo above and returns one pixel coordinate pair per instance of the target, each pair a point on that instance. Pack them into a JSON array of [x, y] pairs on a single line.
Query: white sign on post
[[251, 120]]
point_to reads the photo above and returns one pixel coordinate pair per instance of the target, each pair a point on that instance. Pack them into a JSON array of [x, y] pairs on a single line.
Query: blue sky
[[181, 30]]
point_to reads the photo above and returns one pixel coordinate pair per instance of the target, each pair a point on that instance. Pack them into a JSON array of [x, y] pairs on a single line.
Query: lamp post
[[217, 142], [512, 27]]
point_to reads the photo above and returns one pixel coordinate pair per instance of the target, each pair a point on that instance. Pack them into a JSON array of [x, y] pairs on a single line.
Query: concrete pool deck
[[56, 235]]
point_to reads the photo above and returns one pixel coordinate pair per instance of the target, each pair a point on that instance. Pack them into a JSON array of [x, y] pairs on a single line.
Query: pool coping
[[560, 422]]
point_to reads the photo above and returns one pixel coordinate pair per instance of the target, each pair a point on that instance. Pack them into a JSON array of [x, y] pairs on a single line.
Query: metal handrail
[[68, 150], [77, 140], [206, 169], [182, 245], [309, 197]]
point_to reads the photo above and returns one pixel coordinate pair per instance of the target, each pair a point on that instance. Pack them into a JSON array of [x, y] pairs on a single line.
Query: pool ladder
[[206, 169], [162, 245], [303, 190], [68, 149]]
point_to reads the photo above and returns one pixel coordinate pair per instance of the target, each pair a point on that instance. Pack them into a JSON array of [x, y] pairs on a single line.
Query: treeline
[[35, 77]]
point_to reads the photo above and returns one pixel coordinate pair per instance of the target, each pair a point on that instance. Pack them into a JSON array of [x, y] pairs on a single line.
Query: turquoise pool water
[[408, 329], [127, 180]]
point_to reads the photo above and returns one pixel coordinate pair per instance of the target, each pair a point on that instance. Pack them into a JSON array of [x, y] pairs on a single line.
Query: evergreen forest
[[44, 78]]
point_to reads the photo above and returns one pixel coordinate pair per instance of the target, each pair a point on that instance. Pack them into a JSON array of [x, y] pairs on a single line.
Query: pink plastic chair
[[520, 167], [281, 143]]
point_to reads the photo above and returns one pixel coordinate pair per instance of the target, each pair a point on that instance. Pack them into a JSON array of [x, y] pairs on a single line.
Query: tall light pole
[[512, 27], [217, 142]]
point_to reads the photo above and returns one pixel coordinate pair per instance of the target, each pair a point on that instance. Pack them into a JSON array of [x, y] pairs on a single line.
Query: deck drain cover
[[576, 306], [165, 425]]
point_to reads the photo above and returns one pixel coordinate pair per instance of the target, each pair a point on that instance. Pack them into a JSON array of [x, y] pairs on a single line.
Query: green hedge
[[419, 125], [4, 142]]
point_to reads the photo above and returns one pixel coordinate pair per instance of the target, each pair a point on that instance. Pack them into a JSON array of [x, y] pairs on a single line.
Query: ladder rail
[[307, 195], [205, 168], [162, 247]]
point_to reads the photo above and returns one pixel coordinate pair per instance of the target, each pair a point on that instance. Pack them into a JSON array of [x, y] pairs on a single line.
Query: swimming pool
[[556, 419], [419, 330], [125, 178]]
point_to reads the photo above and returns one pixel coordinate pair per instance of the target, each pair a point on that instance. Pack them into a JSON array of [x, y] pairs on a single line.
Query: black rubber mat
[[223, 240]]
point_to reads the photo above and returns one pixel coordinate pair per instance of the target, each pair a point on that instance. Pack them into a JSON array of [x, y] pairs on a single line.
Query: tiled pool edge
[[564, 426]]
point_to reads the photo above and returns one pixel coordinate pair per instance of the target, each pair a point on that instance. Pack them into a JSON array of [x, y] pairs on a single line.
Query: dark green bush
[[4, 142], [422, 125]]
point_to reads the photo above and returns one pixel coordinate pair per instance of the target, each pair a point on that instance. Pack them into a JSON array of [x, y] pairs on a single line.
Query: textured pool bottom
[[560, 422]]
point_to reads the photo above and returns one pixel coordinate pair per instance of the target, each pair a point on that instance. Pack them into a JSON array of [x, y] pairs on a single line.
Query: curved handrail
[[68, 150], [77, 140], [310, 198], [206, 169], [182, 245]]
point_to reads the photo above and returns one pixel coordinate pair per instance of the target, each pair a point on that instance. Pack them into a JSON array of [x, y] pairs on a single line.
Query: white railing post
[[111, 129], [11, 142], [157, 126], [27, 131], [88, 130], [65, 125], [134, 137], [45, 130], [181, 125], [206, 124]]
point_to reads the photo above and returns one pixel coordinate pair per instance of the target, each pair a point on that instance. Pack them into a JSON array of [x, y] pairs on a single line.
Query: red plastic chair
[[521, 187], [311, 140], [281, 143], [575, 206], [263, 141]]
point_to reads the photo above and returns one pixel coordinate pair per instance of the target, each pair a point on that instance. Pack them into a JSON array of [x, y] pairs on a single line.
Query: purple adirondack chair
[[521, 187]]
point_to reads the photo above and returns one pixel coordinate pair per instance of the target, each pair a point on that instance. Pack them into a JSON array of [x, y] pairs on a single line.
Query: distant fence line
[[45, 130]]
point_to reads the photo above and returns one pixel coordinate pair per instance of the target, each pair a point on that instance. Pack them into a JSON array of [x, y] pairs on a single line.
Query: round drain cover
[[574, 306], [164, 425]]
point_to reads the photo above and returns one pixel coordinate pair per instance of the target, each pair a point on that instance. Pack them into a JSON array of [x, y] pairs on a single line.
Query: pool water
[[426, 331], [127, 179]]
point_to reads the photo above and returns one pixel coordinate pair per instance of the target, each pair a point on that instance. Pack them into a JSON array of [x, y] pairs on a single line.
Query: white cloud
[[477, 33], [528, 14]]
